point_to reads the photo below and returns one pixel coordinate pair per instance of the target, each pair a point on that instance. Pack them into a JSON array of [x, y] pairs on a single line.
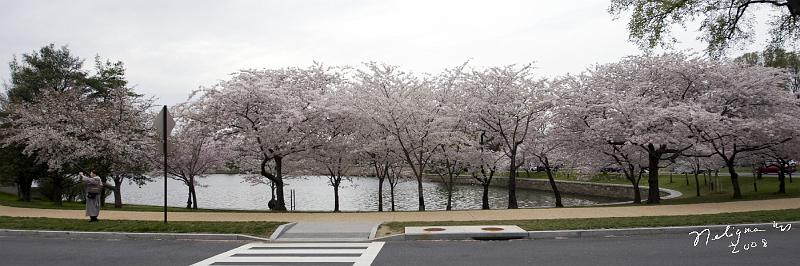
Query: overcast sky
[[172, 47]]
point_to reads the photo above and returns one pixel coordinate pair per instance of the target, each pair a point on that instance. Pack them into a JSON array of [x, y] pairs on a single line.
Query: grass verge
[[263, 229], [622, 222], [40, 203]]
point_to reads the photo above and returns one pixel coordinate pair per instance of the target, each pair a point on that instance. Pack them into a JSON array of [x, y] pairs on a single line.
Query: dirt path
[[474, 215]]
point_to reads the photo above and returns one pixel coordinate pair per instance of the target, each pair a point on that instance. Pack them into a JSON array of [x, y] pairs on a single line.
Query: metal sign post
[[164, 125]]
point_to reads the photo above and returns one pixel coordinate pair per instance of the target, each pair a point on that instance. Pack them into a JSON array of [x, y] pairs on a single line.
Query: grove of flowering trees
[[466, 123], [63, 119], [639, 114]]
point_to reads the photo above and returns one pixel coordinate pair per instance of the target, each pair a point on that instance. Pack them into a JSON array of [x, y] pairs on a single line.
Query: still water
[[355, 194]]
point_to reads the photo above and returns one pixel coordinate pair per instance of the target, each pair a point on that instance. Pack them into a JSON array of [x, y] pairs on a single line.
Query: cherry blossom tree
[[448, 162], [377, 148], [129, 139], [505, 102], [336, 144], [744, 109], [272, 110], [379, 155], [66, 129], [455, 145], [402, 106], [487, 158], [641, 101], [580, 114], [394, 176], [783, 156], [546, 146], [197, 151]]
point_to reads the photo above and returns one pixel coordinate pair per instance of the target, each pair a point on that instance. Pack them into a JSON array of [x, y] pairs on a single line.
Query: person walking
[[94, 187]]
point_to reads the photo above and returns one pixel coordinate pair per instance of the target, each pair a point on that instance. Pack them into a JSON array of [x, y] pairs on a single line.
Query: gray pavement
[[27, 250], [668, 250]]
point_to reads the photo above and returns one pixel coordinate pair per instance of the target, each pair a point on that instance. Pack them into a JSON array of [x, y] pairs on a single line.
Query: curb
[[397, 237], [280, 230], [374, 231], [125, 235]]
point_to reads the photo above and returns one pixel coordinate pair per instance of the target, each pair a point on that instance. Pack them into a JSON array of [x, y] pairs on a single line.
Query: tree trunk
[[189, 198], [19, 191], [117, 193], [485, 198], [272, 190], [58, 193], [25, 189], [737, 192], [391, 188], [782, 180], [697, 184], [336, 197], [653, 193], [194, 198], [449, 200], [103, 193], [553, 186], [194, 193], [705, 178], [512, 181], [420, 192], [637, 193], [380, 194], [449, 186], [281, 203], [381, 178]]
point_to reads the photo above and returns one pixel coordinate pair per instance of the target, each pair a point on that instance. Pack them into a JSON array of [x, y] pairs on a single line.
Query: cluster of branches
[[724, 23]]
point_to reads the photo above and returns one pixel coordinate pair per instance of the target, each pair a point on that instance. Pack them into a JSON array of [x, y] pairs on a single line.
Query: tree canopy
[[723, 23]]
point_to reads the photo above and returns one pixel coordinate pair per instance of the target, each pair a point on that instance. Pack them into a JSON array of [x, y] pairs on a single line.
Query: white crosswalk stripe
[[356, 254]]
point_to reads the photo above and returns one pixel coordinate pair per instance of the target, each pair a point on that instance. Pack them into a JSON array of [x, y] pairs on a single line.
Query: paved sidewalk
[[329, 231], [472, 215]]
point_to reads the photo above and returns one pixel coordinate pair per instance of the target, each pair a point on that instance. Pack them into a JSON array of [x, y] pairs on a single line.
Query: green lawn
[[626, 222], [767, 188], [249, 228]]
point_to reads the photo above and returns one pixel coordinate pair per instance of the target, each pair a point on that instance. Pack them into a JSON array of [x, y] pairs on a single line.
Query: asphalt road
[[673, 250], [16, 250], [781, 249]]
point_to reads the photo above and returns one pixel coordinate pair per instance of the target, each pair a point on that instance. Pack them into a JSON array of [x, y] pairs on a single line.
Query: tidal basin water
[[355, 194]]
